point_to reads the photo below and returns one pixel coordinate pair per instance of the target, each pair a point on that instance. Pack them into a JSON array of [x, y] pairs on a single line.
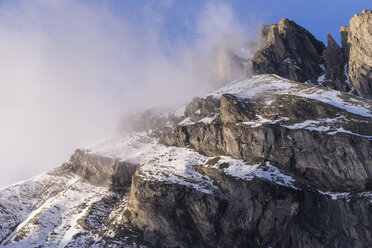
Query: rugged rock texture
[[269, 126], [289, 51], [102, 171], [357, 44], [337, 162], [254, 213], [260, 162], [335, 67]]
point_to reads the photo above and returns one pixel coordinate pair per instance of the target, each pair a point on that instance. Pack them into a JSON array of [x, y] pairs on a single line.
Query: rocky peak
[[334, 63], [288, 50], [357, 44]]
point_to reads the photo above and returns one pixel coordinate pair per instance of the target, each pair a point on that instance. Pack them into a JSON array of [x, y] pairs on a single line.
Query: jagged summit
[[264, 161], [290, 51]]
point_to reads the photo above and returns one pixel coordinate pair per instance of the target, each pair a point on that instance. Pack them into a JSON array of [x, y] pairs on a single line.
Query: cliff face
[[357, 44], [261, 162]]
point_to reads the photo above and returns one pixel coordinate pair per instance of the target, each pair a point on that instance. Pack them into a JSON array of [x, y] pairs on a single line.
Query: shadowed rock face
[[335, 69], [289, 51], [253, 213], [357, 44], [102, 171]]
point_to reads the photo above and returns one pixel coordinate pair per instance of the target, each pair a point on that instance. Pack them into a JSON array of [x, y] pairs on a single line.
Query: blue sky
[[320, 17]]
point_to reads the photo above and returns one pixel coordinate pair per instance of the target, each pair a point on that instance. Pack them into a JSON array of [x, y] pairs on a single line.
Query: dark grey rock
[[334, 63], [289, 51]]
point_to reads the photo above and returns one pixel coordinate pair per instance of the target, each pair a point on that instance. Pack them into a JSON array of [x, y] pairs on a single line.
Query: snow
[[329, 125], [46, 218], [270, 85], [186, 121], [208, 120], [342, 130], [348, 79], [316, 125], [332, 97], [175, 164], [48, 210], [239, 169], [367, 195], [249, 88], [159, 162], [261, 120], [292, 62], [336, 195], [180, 112]]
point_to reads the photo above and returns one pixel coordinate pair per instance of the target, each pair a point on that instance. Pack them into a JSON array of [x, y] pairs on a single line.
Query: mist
[[70, 70]]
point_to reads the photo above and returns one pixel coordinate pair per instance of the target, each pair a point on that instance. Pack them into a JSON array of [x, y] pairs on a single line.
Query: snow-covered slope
[[265, 90], [57, 209], [62, 209]]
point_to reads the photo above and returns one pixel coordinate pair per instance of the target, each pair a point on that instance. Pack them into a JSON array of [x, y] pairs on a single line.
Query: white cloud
[[69, 70]]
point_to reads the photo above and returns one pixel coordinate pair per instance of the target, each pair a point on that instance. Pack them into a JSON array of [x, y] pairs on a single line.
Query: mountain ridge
[[263, 161]]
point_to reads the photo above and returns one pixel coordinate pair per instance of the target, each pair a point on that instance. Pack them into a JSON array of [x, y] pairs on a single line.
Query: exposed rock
[[102, 171], [260, 162], [334, 63], [234, 109], [259, 132], [344, 31], [289, 51], [255, 213], [357, 44]]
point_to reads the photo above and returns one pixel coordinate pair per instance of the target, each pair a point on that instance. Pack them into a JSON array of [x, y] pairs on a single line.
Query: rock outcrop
[[357, 46], [335, 67], [102, 171], [289, 51], [256, 213], [255, 130]]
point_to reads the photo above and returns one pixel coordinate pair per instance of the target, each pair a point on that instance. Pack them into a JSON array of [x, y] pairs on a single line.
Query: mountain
[[280, 158]]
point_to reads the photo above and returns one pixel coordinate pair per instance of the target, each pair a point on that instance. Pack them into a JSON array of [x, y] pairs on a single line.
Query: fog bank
[[71, 69]]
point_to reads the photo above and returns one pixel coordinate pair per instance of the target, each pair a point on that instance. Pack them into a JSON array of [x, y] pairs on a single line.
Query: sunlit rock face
[[289, 51], [357, 44]]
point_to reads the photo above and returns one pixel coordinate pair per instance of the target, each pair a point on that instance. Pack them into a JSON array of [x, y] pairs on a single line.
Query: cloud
[[70, 69]]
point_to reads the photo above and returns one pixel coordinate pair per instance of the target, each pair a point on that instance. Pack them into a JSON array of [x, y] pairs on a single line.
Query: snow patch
[[262, 120], [239, 169]]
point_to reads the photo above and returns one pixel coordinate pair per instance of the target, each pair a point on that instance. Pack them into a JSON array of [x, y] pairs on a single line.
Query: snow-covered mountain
[[261, 162]]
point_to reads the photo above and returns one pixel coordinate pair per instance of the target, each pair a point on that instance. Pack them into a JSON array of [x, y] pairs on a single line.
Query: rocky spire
[[357, 46], [288, 50], [334, 63]]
